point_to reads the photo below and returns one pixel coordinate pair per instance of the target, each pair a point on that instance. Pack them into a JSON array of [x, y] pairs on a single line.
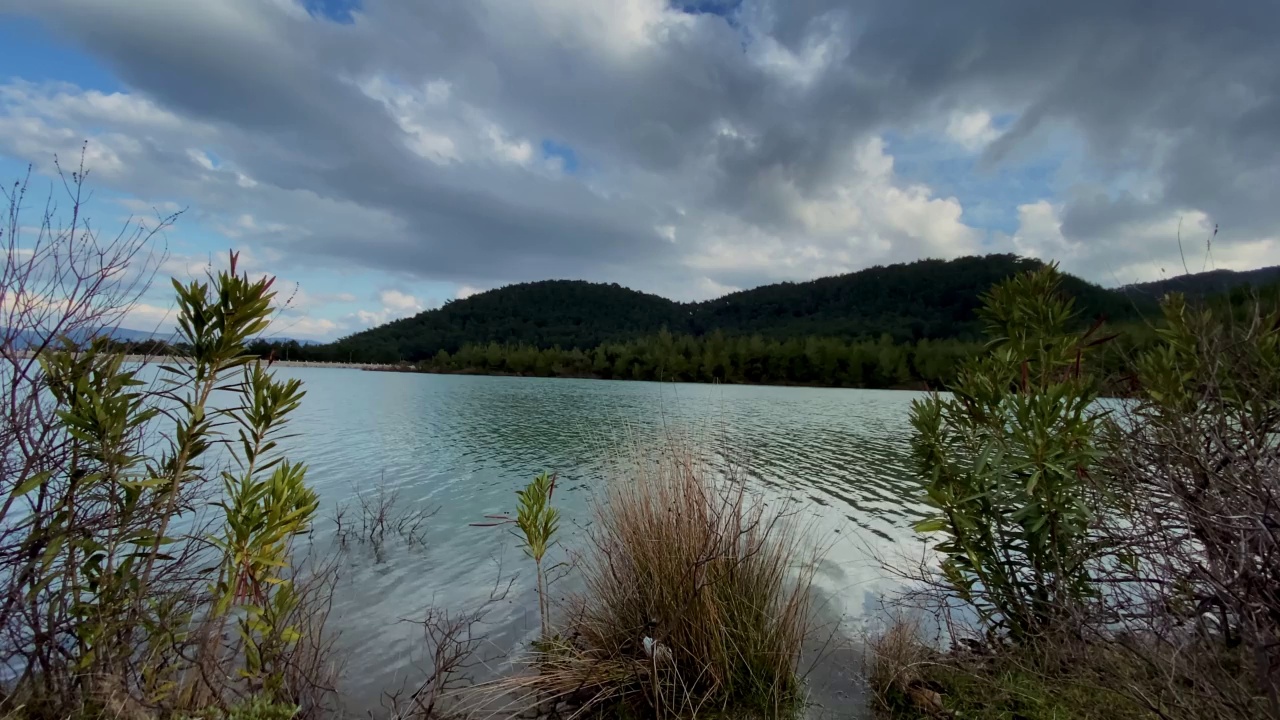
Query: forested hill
[[1205, 284], [927, 299], [924, 299], [567, 313]]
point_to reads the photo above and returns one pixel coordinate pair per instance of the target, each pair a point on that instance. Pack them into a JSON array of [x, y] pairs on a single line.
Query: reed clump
[[696, 602]]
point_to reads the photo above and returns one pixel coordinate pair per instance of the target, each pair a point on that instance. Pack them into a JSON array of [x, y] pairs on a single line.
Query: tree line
[[667, 357]]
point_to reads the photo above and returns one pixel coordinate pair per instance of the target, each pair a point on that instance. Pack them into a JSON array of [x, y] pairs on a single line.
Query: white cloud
[[617, 30], [863, 216], [971, 130], [67, 102], [395, 304], [184, 267], [200, 158], [466, 291], [150, 318], [708, 288], [519, 152], [400, 302], [305, 327], [1150, 250], [417, 111], [800, 67], [166, 207]]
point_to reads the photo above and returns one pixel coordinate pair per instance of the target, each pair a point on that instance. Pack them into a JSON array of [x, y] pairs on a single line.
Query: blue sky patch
[[723, 8], [339, 11], [989, 194], [32, 53], [568, 158]]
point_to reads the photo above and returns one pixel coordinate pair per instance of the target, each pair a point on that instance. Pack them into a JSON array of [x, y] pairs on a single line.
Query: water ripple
[[465, 444]]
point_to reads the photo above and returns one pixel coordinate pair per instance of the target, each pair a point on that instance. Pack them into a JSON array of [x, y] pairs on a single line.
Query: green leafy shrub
[[116, 603], [536, 522], [1008, 458]]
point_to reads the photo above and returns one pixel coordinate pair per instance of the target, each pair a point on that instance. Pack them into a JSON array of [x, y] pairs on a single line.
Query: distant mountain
[[27, 339], [932, 299], [127, 335], [1213, 282]]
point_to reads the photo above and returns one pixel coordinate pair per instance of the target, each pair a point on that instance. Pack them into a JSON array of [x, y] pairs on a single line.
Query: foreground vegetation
[[696, 603], [148, 535], [1100, 560], [1093, 559], [136, 578]]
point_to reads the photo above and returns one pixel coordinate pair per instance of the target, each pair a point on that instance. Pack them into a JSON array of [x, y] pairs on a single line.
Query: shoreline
[[915, 387], [161, 359]]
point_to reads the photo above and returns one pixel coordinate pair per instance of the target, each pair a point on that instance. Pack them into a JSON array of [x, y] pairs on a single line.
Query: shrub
[[1008, 459], [536, 522], [1158, 517], [696, 600], [107, 601], [1196, 454]]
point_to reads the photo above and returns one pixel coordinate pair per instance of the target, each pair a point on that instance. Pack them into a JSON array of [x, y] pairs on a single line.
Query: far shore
[[919, 386], [161, 359], [408, 368]]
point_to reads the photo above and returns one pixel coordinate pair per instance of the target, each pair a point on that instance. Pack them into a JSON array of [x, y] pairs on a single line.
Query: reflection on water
[[465, 444]]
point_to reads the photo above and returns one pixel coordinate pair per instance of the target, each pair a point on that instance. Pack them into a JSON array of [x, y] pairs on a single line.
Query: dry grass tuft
[[696, 603], [1052, 678]]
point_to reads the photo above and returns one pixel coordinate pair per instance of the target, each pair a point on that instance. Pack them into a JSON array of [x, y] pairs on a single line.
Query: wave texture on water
[[464, 444]]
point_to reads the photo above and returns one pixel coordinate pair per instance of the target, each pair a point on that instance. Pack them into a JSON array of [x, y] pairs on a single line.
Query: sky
[[381, 157]]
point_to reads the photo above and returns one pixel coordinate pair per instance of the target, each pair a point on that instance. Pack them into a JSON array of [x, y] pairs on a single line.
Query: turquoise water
[[461, 446]]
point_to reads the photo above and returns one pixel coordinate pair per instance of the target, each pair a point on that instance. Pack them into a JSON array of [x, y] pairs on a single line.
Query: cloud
[[1157, 246], [709, 288], [394, 304], [400, 301], [150, 317], [304, 328], [971, 130], [733, 147]]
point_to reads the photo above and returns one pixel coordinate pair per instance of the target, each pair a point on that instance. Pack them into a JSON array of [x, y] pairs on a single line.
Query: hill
[[933, 299], [567, 313], [1205, 284], [927, 299]]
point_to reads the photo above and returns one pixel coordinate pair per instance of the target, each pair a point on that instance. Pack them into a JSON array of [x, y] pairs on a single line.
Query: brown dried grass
[[716, 578]]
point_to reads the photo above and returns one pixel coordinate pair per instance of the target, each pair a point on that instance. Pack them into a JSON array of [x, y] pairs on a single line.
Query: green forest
[[722, 358], [905, 325]]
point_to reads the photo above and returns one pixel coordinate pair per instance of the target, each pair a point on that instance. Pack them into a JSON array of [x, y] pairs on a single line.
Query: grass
[[1125, 677], [696, 604], [1050, 681]]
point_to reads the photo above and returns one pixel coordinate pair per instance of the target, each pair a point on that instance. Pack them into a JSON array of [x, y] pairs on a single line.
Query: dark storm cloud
[[271, 83], [1187, 89], [1177, 105]]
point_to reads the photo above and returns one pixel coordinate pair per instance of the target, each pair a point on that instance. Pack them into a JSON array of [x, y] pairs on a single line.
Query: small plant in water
[[537, 523]]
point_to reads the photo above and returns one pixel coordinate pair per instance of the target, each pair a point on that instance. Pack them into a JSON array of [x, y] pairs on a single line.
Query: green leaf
[[931, 525], [31, 483]]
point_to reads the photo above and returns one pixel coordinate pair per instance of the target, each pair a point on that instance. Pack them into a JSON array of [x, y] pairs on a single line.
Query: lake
[[464, 444]]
